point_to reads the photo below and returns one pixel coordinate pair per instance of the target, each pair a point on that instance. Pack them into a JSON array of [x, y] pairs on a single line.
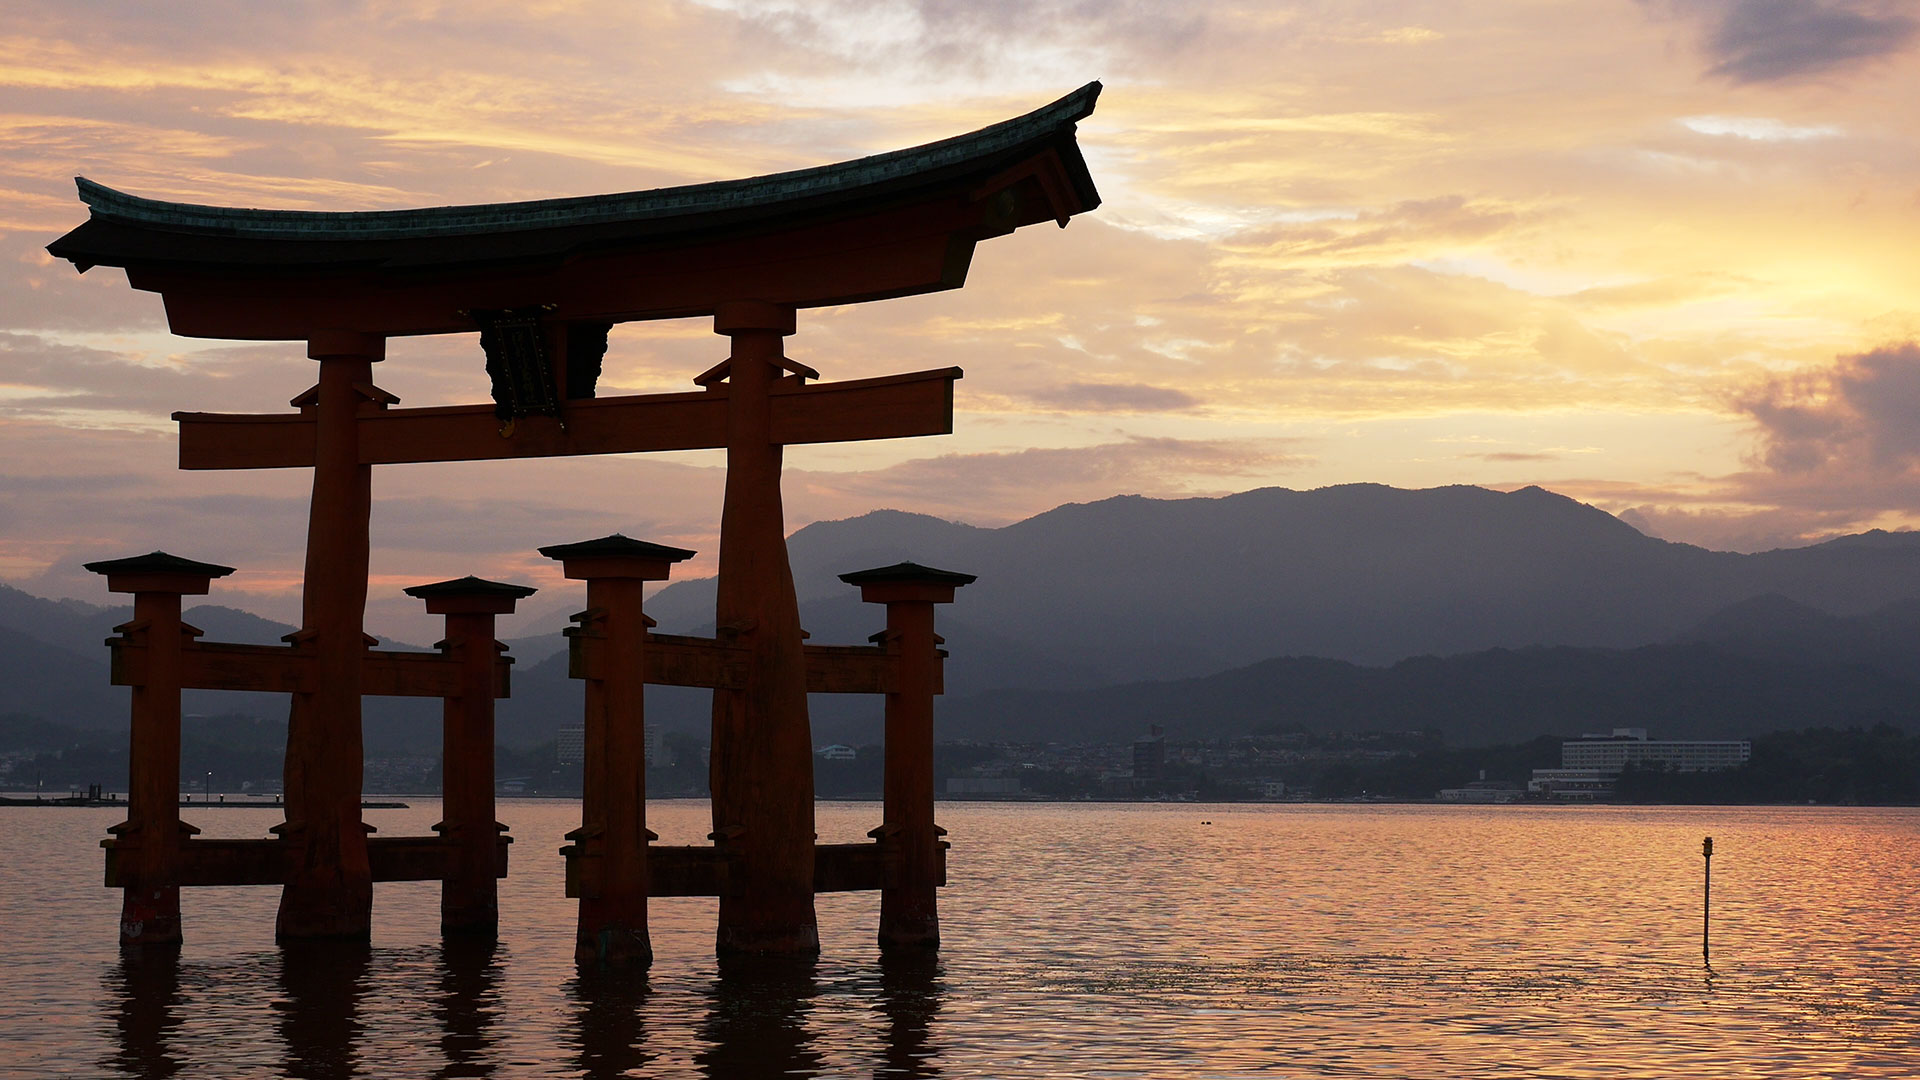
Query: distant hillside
[[1497, 696], [1773, 627], [1129, 587], [1126, 590]]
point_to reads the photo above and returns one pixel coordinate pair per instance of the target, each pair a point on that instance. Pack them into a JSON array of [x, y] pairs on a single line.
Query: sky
[[1662, 256]]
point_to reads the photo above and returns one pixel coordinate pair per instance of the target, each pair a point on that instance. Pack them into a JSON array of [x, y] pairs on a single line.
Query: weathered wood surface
[[889, 407]]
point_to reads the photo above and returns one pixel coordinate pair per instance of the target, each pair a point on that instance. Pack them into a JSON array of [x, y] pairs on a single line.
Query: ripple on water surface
[[1110, 941]]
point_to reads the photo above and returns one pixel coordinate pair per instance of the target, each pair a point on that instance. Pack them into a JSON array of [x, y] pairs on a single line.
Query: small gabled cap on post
[[470, 596], [159, 572], [907, 582], [616, 556]]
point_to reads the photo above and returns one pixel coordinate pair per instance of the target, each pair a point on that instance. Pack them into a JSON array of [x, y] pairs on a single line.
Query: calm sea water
[[1098, 941]]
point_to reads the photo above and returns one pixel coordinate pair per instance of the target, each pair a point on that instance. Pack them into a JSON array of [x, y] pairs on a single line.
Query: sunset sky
[[1662, 256]]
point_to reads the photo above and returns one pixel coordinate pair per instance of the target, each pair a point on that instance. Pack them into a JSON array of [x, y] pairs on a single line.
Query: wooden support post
[[469, 895], [613, 806], [148, 843], [909, 913], [762, 757], [329, 892]]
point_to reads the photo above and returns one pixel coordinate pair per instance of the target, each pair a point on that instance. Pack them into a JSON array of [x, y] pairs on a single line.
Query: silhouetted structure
[[543, 283]]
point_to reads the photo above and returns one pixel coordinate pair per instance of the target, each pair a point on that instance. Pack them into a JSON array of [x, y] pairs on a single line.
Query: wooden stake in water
[[1706, 898]]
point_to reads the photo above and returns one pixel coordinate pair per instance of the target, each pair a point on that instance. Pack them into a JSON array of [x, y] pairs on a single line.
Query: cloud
[[1727, 529], [921, 51], [1837, 451], [1408, 229], [1757, 128], [1113, 397], [1861, 416], [998, 487], [1758, 41]]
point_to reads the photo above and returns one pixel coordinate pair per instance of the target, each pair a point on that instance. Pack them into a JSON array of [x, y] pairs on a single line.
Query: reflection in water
[[322, 983], [1401, 941], [756, 1022], [607, 1036], [145, 994], [468, 1004], [910, 996]]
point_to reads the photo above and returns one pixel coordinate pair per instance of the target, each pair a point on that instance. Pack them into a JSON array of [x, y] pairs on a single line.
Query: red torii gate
[[544, 282]]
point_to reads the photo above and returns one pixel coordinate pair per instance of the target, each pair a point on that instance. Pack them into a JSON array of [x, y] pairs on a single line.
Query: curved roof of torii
[[134, 232]]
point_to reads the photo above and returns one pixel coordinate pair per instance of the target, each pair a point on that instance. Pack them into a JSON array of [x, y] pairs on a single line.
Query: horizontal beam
[[890, 407], [851, 669], [676, 660], [266, 862], [286, 669], [405, 674], [701, 870]]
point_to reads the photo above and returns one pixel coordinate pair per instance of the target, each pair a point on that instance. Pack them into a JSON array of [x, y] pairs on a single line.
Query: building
[[571, 746], [1150, 757], [838, 752], [1483, 791], [1630, 746], [659, 754], [1590, 765], [1573, 784]]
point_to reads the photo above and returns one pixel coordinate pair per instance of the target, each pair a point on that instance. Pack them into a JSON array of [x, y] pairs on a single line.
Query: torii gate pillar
[[329, 890], [762, 757]]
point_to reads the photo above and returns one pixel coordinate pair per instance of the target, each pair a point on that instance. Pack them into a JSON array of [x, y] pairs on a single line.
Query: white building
[[1630, 746], [1591, 764], [838, 752]]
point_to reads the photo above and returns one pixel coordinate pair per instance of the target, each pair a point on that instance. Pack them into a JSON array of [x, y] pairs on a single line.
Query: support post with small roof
[[909, 909], [470, 893], [609, 651], [147, 844]]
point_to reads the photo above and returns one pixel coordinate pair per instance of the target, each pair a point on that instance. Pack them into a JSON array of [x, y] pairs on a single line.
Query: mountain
[[1773, 627], [51, 682], [53, 665], [1496, 696], [1130, 588], [1135, 593]]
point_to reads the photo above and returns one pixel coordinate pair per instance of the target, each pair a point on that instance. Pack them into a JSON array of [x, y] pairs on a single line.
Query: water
[[1098, 941]]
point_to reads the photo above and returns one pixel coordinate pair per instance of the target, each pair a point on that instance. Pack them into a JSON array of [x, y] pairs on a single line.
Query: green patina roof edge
[[758, 191]]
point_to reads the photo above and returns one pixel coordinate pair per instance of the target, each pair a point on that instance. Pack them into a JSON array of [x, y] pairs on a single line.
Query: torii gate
[[544, 282]]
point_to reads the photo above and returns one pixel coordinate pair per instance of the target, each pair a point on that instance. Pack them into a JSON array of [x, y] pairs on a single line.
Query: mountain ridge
[[1130, 590]]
